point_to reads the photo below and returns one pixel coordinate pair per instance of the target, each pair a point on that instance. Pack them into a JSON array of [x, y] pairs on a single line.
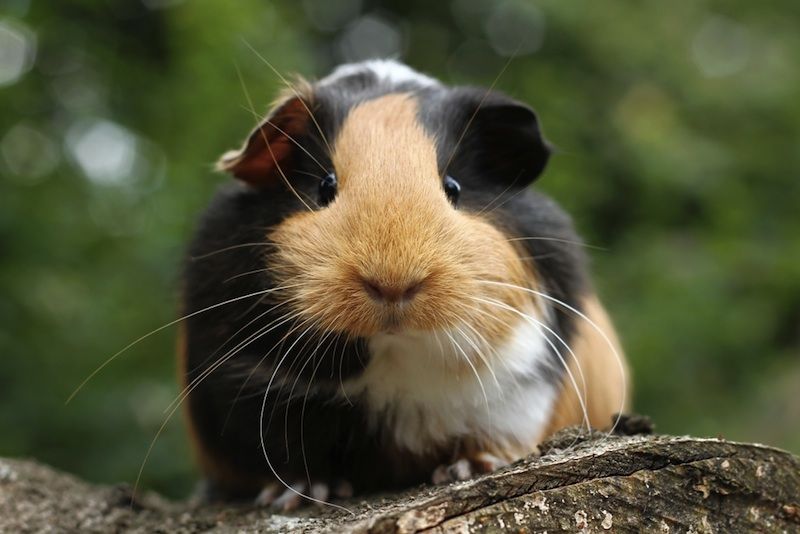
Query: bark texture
[[581, 483]]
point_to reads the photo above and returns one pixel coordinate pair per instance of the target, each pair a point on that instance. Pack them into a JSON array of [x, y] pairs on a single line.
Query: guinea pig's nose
[[391, 293]]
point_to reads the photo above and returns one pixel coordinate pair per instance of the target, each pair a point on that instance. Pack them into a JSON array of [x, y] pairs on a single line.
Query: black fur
[[498, 158], [495, 162]]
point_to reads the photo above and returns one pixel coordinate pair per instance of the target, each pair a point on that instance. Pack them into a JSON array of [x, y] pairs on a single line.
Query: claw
[[484, 463], [343, 490], [467, 468], [290, 499], [267, 495], [461, 470], [440, 476], [280, 498], [319, 492]]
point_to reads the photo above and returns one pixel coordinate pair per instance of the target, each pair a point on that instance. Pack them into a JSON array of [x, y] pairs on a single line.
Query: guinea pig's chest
[[428, 389]]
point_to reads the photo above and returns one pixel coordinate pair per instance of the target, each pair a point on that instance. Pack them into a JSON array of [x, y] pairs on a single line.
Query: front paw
[[466, 468], [284, 499]]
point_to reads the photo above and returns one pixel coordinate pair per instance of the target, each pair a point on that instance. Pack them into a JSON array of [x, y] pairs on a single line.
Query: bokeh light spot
[[28, 153], [104, 151], [17, 51], [330, 16], [721, 47], [514, 28], [369, 37]]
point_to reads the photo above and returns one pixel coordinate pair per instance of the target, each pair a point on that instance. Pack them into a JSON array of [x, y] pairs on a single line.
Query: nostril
[[374, 289], [391, 292], [412, 290]]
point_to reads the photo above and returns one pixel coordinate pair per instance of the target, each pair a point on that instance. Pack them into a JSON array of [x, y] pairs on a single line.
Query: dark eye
[[452, 189], [327, 189]]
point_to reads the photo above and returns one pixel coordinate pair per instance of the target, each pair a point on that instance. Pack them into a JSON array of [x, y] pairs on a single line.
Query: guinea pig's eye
[[452, 189], [327, 189]]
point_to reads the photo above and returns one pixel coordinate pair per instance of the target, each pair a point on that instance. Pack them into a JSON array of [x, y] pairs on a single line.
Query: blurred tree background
[[678, 127]]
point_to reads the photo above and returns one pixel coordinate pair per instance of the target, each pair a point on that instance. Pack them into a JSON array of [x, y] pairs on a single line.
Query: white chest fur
[[414, 386]]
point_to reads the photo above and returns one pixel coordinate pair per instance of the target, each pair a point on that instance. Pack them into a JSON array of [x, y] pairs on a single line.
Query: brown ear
[[268, 149]]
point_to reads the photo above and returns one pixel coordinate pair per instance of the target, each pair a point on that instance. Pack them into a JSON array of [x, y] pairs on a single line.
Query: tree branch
[[582, 483]]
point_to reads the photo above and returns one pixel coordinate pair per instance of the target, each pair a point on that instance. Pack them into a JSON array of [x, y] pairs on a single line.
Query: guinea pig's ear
[[269, 147], [506, 138]]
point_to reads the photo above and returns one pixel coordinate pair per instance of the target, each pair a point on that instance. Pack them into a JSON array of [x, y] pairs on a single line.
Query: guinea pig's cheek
[[492, 302], [308, 259], [296, 243]]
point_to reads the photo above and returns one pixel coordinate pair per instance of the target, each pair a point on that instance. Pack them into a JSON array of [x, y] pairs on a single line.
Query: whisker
[[297, 325], [560, 340], [184, 395], [243, 328], [292, 88], [558, 239], [475, 371], [232, 247], [248, 273], [296, 316], [540, 325], [309, 320], [475, 113], [495, 199], [294, 385], [442, 357], [481, 356], [160, 328], [306, 173], [538, 257], [266, 142], [244, 245], [309, 324], [264, 445], [341, 361], [499, 358], [228, 355], [593, 325], [292, 139], [303, 409]]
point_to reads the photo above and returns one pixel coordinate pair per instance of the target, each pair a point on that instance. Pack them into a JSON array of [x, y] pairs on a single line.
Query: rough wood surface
[[581, 483]]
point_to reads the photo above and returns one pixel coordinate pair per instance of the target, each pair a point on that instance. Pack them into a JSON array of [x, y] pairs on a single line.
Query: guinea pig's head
[[385, 191]]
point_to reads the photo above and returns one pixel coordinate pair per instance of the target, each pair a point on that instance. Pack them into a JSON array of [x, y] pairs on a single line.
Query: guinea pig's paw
[[284, 499], [460, 470], [281, 498], [466, 468]]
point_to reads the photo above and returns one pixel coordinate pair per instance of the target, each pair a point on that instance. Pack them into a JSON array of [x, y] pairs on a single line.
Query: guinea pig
[[380, 299]]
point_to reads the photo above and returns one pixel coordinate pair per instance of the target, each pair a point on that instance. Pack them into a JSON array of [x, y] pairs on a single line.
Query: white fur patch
[[411, 384], [385, 69]]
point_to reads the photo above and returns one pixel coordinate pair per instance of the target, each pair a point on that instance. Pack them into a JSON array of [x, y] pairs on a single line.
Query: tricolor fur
[[379, 393]]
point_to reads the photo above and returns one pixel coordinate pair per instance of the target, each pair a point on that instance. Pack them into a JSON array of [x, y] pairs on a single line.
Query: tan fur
[[391, 224], [606, 384]]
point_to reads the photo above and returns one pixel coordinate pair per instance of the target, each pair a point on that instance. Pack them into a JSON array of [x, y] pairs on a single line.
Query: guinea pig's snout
[[391, 293]]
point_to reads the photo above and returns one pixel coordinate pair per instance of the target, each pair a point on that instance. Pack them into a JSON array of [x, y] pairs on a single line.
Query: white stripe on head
[[385, 69]]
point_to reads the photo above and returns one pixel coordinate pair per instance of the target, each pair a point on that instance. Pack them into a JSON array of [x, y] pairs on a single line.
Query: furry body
[[458, 356]]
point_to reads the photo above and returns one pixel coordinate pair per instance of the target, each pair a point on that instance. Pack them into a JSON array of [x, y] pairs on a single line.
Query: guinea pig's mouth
[[393, 319], [398, 319], [391, 325]]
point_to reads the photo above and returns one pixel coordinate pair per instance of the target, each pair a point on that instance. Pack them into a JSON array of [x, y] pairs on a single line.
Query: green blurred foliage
[[677, 126]]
